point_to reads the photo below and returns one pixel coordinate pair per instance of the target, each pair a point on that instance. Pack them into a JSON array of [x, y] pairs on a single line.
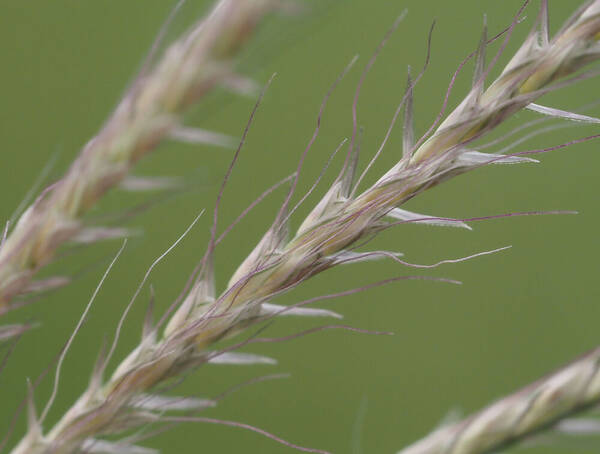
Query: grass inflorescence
[[335, 232]]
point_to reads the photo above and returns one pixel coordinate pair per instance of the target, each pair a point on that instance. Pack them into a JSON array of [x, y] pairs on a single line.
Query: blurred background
[[520, 313]]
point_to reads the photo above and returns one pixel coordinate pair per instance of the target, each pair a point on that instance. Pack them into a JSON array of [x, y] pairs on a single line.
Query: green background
[[519, 314]]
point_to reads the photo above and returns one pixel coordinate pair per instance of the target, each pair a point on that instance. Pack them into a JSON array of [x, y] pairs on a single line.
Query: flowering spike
[[190, 68], [408, 137], [275, 267]]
